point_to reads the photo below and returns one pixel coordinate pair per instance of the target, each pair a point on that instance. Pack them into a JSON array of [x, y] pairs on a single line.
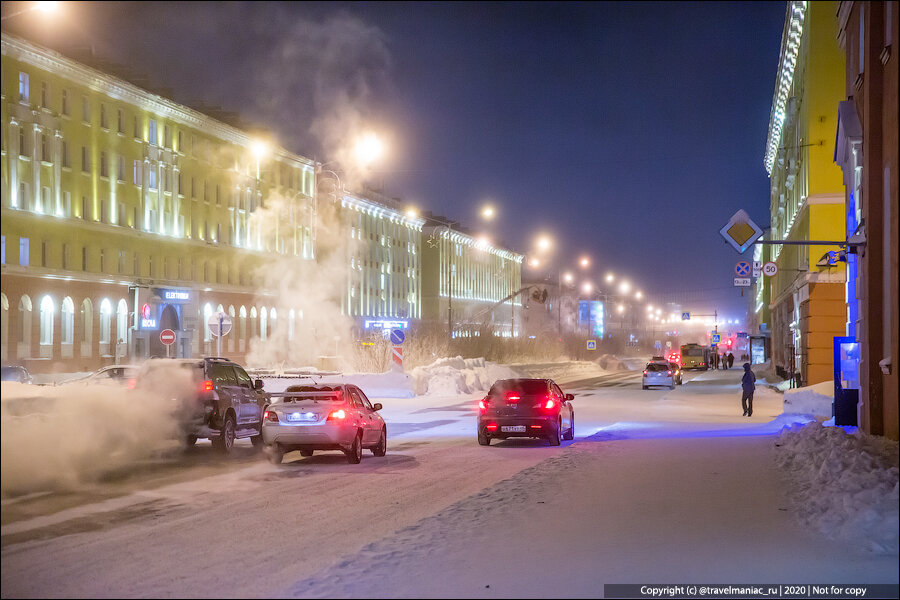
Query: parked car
[[658, 374], [323, 417], [112, 374], [225, 404], [535, 408], [676, 371], [15, 373]]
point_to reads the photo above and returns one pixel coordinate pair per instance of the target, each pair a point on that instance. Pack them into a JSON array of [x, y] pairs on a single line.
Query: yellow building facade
[[806, 299], [124, 213]]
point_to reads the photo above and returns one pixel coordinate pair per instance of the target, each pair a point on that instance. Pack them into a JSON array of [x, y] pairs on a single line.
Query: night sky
[[628, 132]]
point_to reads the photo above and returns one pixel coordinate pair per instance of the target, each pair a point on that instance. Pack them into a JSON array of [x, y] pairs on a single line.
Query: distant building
[[866, 151], [806, 194], [464, 280], [124, 213]]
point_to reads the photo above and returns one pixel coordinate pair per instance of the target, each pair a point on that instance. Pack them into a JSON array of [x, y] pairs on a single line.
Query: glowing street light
[[412, 212], [620, 308], [638, 294], [568, 277], [610, 277], [534, 262], [587, 288], [44, 7], [624, 287], [488, 212], [368, 148], [544, 243], [650, 308], [585, 262]]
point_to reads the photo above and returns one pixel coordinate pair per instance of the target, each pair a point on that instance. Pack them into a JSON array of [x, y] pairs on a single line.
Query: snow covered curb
[[844, 484], [811, 400]]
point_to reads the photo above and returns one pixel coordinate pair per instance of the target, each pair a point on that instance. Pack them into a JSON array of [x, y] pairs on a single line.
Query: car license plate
[[307, 416], [513, 429]]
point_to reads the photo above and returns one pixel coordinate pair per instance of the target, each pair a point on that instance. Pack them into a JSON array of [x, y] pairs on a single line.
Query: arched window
[[24, 349], [4, 327], [67, 323], [291, 316], [207, 313], [87, 327], [105, 325], [122, 322], [273, 320], [263, 323], [48, 311], [230, 337], [254, 322], [242, 339]]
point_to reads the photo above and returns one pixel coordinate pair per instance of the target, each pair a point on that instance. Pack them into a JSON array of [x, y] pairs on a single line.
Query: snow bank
[[444, 377], [452, 376], [810, 400], [614, 363], [846, 484]]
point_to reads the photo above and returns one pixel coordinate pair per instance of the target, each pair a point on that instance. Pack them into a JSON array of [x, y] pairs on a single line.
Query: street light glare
[[639, 295], [412, 213], [610, 277], [368, 148], [624, 287], [534, 262], [259, 148], [544, 243], [587, 287], [568, 277], [621, 308], [488, 212], [47, 7], [584, 262]]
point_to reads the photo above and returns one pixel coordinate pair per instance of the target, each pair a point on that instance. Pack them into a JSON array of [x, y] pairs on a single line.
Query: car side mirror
[[570, 397], [377, 406], [258, 384]]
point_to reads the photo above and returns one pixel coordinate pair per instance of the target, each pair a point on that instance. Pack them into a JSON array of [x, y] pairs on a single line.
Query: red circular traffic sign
[[167, 337]]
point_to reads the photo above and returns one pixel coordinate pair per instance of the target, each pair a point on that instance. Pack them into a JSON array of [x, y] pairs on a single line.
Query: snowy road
[[658, 486]]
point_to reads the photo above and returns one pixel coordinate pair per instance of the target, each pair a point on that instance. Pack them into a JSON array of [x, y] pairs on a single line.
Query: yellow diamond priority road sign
[[741, 231]]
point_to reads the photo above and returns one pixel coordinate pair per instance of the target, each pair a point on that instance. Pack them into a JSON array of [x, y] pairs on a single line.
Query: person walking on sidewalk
[[730, 360], [748, 384], [724, 361]]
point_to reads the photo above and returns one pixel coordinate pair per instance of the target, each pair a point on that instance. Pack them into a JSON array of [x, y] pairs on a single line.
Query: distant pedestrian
[[730, 360], [748, 385], [724, 361]]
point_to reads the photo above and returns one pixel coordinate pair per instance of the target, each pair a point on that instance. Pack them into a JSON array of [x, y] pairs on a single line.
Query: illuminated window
[[23, 87], [104, 121], [105, 325], [138, 170], [45, 95], [67, 322], [47, 312], [154, 140]]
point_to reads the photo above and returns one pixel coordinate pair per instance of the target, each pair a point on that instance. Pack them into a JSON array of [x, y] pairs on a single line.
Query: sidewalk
[[710, 509]]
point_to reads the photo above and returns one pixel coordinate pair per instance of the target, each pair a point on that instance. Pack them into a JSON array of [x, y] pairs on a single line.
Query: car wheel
[[275, 454], [190, 440], [256, 440], [483, 439], [381, 448], [354, 454], [570, 434], [556, 437], [225, 442], [306, 453]]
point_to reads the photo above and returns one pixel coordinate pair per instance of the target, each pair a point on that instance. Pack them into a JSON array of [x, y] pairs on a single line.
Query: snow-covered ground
[[659, 485], [813, 400]]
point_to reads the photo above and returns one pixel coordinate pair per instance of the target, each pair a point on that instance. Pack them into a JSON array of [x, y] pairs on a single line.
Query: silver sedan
[[323, 417]]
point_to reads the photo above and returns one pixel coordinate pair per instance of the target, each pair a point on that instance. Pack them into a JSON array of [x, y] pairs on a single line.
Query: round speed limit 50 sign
[[769, 269]]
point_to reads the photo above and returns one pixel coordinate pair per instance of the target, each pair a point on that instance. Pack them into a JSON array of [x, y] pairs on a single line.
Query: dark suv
[[535, 408], [226, 404]]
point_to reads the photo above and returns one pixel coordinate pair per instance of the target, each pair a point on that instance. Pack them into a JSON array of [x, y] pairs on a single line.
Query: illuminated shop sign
[[147, 322], [176, 295], [381, 324]]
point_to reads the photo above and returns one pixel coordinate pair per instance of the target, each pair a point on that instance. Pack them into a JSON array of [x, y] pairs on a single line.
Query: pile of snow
[[614, 363], [452, 376], [846, 483], [810, 400]]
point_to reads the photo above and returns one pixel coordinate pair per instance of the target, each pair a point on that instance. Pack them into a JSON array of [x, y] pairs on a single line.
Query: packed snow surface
[[845, 483]]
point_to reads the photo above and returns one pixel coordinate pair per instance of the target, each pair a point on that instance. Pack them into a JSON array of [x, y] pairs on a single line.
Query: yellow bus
[[694, 356]]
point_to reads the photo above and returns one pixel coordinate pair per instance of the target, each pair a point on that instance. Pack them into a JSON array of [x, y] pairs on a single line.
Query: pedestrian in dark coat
[[748, 385], [724, 361], [730, 360]]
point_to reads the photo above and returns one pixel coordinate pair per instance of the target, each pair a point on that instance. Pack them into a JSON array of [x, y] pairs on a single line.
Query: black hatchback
[[535, 408]]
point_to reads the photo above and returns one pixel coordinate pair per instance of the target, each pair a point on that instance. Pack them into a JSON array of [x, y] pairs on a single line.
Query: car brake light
[[271, 416], [549, 404], [337, 414], [132, 383], [645, 371], [670, 372], [207, 386], [492, 427], [513, 397], [482, 405]]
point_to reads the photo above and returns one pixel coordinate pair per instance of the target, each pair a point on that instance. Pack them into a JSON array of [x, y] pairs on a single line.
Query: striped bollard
[[397, 355]]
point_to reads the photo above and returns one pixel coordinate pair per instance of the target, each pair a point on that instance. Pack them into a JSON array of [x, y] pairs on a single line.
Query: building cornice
[[787, 61], [462, 238], [118, 89], [376, 209]]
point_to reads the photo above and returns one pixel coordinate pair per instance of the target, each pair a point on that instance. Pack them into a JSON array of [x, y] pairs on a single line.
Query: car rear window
[[657, 367], [320, 394], [523, 386]]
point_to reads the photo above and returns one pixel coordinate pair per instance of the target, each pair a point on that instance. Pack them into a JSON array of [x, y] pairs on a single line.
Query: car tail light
[[702, 364], [645, 371], [669, 372], [337, 414], [491, 427], [271, 416], [550, 404], [132, 383], [206, 386], [512, 397], [482, 404], [535, 426]]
